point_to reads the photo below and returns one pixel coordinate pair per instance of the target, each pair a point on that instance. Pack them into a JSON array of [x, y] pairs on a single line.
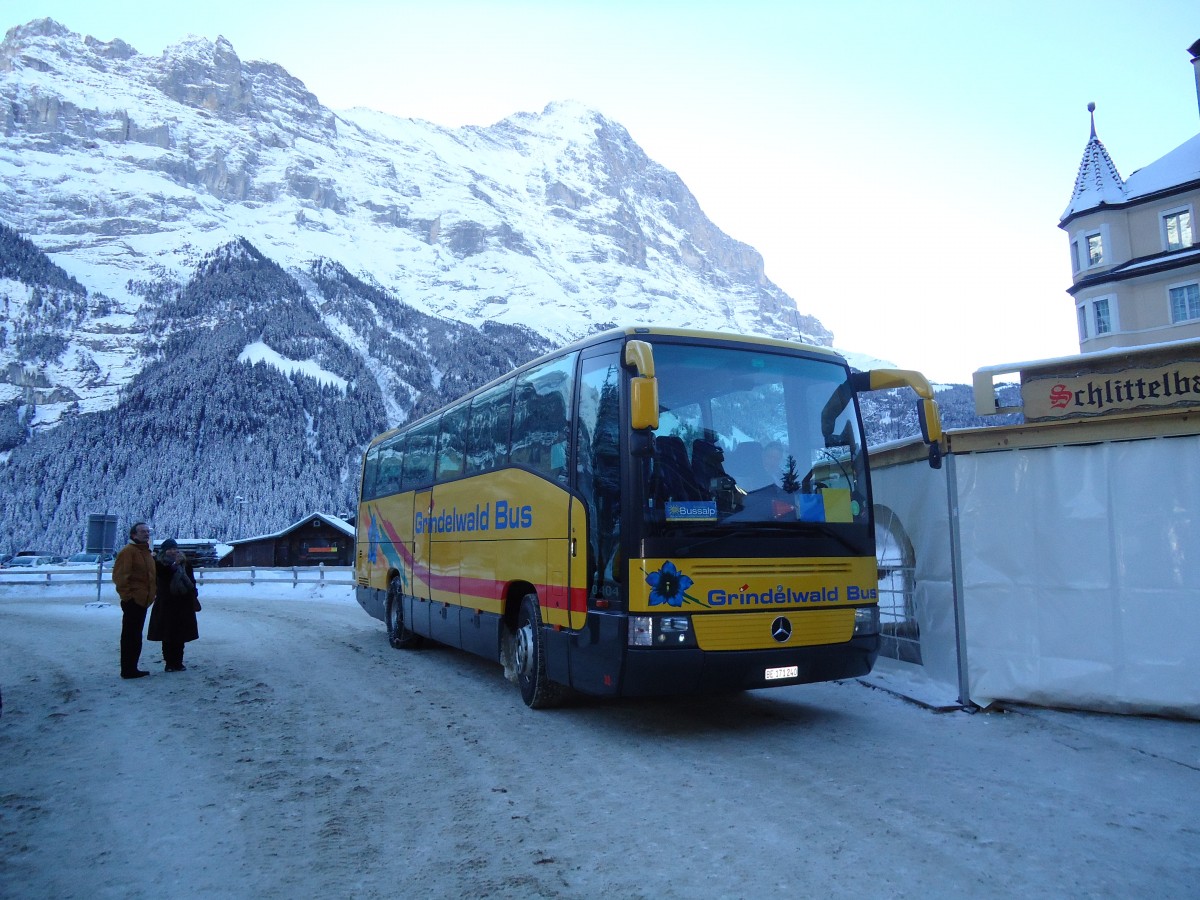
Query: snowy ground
[[300, 756]]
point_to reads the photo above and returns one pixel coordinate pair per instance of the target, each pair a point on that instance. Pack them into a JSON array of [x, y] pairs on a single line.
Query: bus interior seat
[[675, 478], [744, 462], [707, 461]]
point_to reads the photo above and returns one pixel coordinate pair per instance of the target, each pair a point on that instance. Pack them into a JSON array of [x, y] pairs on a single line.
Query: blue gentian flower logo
[[669, 586]]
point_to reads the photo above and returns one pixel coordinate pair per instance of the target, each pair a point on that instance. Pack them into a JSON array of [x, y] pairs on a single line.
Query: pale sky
[[901, 166]]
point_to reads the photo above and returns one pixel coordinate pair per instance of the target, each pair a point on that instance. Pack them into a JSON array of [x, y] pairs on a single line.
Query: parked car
[[29, 562], [88, 559], [198, 551]]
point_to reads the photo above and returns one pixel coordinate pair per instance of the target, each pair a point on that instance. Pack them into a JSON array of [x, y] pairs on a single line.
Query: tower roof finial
[[1098, 181]]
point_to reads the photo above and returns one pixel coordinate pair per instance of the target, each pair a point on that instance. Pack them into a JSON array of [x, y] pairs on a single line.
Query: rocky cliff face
[[128, 169], [168, 223]]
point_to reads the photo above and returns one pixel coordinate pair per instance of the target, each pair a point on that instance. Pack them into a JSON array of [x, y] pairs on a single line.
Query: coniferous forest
[[196, 428]]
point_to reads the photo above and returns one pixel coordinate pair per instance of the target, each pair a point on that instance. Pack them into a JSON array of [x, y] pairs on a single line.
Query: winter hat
[[169, 544]]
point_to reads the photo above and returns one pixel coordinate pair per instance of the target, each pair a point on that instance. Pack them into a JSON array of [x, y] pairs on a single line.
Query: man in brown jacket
[[136, 579]]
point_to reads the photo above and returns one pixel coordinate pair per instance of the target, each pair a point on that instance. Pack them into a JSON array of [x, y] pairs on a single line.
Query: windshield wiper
[[707, 536], [825, 530]]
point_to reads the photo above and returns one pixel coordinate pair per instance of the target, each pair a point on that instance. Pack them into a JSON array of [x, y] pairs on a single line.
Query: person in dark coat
[[173, 615]]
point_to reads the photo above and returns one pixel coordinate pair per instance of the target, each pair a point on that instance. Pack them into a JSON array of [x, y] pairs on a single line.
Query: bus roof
[[641, 330], [631, 331]]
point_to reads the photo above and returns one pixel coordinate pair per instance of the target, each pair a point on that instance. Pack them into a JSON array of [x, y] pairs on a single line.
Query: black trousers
[[172, 654], [133, 620]]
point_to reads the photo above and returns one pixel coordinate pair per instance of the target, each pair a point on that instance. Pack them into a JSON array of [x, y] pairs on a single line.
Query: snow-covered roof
[[1182, 345], [337, 523], [1178, 167]]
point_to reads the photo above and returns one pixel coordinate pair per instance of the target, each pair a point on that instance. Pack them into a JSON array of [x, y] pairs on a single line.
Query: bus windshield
[[753, 435]]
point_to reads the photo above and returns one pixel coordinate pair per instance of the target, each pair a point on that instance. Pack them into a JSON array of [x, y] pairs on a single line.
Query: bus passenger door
[[559, 587], [556, 602], [422, 534], [577, 566]]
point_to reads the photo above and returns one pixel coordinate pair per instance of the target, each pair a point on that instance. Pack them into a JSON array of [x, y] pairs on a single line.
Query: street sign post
[[101, 538]]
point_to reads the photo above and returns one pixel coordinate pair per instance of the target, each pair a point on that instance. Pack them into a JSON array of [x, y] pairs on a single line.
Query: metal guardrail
[[252, 575], [54, 575], [319, 574]]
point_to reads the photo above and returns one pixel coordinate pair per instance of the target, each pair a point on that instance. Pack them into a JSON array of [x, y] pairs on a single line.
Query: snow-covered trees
[[197, 428]]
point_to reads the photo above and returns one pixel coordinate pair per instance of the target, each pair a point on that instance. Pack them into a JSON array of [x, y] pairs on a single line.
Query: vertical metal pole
[[960, 619], [104, 548]]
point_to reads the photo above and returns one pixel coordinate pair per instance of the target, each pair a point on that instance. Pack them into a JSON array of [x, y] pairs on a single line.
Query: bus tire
[[538, 691], [399, 635]]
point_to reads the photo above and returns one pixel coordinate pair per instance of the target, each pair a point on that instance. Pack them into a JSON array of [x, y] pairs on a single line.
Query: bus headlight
[[866, 621], [673, 631], [661, 631], [640, 632]]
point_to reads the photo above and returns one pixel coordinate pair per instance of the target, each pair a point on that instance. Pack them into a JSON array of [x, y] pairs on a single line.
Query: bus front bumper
[[649, 673]]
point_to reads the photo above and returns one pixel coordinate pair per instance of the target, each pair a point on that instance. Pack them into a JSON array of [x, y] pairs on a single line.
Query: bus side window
[[419, 456], [370, 473], [391, 456], [450, 442], [598, 470], [487, 435], [541, 410]]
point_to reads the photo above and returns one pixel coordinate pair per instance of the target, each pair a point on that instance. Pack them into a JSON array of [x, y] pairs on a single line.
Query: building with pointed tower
[[1135, 258], [1053, 561]]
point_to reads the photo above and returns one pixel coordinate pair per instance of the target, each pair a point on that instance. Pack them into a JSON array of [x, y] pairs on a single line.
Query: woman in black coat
[[173, 615]]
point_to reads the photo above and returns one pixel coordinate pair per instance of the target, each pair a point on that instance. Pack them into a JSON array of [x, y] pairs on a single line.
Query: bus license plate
[[782, 672]]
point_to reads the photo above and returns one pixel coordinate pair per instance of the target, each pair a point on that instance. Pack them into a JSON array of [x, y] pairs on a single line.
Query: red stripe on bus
[[478, 587]]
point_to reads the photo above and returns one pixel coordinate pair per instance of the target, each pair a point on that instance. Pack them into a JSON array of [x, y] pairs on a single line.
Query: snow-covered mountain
[[213, 289], [128, 170]]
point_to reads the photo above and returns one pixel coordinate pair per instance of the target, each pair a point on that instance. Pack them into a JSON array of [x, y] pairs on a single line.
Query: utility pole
[[241, 507]]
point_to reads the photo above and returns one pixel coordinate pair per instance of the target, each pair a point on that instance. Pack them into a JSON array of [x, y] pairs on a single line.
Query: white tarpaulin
[[1079, 569], [912, 499]]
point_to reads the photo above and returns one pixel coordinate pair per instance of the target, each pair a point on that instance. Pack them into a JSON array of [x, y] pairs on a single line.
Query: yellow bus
[[648, 511]]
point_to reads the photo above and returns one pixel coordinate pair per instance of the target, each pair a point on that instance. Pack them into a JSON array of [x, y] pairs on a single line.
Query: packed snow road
[[300, 756]]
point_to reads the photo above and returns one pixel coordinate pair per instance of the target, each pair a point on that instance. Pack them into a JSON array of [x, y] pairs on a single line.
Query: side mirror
[[643, 387], [928, 416], [930, 420], [643, 403], [931, 430]]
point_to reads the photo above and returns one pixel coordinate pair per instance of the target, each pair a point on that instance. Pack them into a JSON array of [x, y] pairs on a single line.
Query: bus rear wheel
[[538, 691], [399, 635]]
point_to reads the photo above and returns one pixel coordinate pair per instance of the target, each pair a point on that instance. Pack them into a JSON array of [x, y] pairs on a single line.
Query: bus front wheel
[[399, 635], [538, 691]]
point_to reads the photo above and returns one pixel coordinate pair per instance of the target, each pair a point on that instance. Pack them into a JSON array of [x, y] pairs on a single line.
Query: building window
[[1095, 249], [1177, 229], [1075, 257], [1185, 303], [1096, 317]]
